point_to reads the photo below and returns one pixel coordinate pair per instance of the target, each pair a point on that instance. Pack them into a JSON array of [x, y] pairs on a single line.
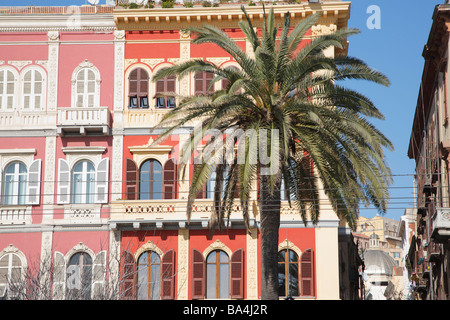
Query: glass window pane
[[210, 281], [37, 76], [10, 88], [91, 74], [224, 281], [157, 180], [281, 279], [80, 75], [27, 88], [155, 283], [293, 279], [38, 87], [223, 257], [9, 76]]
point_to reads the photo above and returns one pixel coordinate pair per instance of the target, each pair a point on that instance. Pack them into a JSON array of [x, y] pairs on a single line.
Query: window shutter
[[198, 275], [208, 79], [307, 273], [34, 182], [170, 179], [201, 194], [160, 86], [59, 277], [101, 181], [131, 184], [63, 182], [128, 273], [170, 84], [133, 83], [198, 80], [143, 83], [237, 274], [168, 276], [98, 275]]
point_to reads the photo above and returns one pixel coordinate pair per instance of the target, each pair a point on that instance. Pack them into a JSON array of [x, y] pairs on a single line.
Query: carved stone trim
[[152, 63], [289, 245], [217, 245], [148, 246], [321, 30], [80, 247], [183, 264], [218, 60], [19, 64]]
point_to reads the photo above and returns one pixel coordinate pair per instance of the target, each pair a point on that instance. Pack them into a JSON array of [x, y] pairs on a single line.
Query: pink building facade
[[74, 143], [56, 135]]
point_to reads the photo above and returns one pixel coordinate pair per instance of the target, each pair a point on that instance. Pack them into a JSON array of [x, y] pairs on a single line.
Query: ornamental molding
[[217, 245], [80, 247], [289, 245], [43, 63], [322, 30], [83, 150], [10, 249], [55, 23], [218, 60], [19, 64], [119, 35], [152, 63], [333, 12], [53, 35], [148, 246], [129, 62]]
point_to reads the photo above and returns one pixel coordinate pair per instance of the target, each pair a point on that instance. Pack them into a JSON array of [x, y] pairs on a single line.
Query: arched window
[[165, 92], [79, 277], [202, 83], [33, 85], [15, 184], [85, 84], [149, 276], [288, 273], [150, 180], [7, 90], [138, 88], [83, 182], [217, 275], [11, 271]]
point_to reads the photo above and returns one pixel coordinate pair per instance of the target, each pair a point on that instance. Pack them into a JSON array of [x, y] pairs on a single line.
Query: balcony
[[10, 215], [20, 119], [441, 225], [83, 121], [171, 214], [168, 214]]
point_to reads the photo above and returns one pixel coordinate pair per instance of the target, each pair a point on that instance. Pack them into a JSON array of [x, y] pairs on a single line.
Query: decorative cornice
[[334, 12], [83, 150], [217, 245], [51, 23]]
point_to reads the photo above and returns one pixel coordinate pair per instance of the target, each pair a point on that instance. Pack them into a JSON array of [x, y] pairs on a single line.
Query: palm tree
[[317, 131]]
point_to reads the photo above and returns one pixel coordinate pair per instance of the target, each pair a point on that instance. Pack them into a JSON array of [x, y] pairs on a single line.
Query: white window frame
[[85, 67], [16, 195], [87, 178], [3, 90], [33, 179], [9, 252], [33, 94], [65, 169]]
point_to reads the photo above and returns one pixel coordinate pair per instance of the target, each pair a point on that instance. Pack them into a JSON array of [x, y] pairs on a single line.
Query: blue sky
[[396, 50]]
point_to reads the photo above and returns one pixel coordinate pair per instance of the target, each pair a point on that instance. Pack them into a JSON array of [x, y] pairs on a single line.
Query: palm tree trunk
[[270, 205]]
